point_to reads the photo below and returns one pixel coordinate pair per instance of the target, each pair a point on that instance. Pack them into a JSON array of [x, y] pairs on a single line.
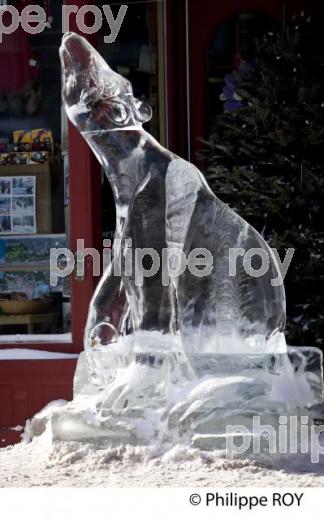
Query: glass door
[[138, 55]]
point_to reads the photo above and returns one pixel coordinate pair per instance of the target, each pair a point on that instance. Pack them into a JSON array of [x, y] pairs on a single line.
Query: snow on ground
[[25, 353], [36, 338], [70, 464]]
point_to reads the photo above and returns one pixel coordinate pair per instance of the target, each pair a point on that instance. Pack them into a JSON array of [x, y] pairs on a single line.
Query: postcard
[[18, 205]]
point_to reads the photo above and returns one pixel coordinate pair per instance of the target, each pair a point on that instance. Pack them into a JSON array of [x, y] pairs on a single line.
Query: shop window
[[33, 181]]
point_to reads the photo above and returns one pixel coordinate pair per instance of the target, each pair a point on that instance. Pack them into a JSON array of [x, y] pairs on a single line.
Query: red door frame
[[85, 223]]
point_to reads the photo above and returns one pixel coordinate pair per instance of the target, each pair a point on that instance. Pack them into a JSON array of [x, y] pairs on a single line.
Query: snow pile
[[44, 462], [67, 464]]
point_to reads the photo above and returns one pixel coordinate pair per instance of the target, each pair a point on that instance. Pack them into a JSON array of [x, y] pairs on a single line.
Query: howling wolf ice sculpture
[[212, 334], [163, 202]]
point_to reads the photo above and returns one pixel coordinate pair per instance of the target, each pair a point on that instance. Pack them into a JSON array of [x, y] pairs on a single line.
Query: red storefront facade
[[189, 27]]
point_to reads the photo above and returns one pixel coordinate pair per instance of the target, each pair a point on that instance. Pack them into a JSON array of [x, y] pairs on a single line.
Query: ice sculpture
[[185, 342]]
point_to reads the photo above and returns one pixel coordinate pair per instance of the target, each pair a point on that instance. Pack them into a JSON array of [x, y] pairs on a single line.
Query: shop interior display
[[33, 210]]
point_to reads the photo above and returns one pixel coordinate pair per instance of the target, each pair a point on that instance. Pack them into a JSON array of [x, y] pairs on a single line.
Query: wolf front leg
[[108, 312]]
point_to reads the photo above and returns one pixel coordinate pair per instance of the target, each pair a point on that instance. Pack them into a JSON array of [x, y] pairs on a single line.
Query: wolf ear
[[144, 111]]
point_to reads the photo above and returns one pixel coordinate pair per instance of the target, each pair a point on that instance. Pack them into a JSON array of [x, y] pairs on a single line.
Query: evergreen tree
[[266, 160]]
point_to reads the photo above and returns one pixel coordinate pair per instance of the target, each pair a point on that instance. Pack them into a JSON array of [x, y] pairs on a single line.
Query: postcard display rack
[[26, 298]]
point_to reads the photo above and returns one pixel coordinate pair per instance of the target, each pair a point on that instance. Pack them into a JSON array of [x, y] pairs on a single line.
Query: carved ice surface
[[163, 202], [186, 357]]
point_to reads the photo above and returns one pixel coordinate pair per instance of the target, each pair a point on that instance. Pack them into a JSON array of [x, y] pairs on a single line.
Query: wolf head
[[96, 97]]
